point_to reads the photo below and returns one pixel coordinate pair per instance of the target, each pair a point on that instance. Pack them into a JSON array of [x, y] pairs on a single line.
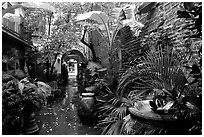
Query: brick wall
[[162, 11]]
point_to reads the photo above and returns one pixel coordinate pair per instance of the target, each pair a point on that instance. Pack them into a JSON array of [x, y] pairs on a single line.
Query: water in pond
[[60, 117]]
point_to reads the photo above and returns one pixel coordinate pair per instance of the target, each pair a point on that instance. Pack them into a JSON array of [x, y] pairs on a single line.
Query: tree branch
[[82, 39], [91, 46]]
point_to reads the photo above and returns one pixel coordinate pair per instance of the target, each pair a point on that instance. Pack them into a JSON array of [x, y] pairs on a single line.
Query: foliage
[[161, 72], [112, 111], [102, 19], [159, 76], [104, 96], [112, 107], [10, 105], [16, 97], [91, 78], [153, 60], [102, 23], [25, 5], [35, 21], [108, 129], [192, 11], [63, 32]]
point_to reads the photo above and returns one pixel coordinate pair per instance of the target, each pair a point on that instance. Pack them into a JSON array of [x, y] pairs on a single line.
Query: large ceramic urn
[[87, 111], [30, 126], [29, 122]]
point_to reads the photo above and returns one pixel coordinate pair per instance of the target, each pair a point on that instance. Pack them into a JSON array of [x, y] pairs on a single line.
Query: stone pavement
[[60, 117]]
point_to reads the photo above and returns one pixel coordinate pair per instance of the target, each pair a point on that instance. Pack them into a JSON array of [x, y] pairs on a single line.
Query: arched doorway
[[73, 60], [74, 54]]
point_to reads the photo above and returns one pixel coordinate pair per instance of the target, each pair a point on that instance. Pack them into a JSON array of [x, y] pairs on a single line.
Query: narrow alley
[[60, 116], [101, 68]]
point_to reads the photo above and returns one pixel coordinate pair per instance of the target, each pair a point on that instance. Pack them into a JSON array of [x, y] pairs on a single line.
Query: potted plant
[[91, 86], [173, 100], [87, 111], [154, 97], [11, 106], [32, 101], [20, 99]]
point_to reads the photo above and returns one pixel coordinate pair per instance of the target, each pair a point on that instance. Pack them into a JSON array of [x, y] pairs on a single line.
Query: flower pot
[[29, 121], [87, 111], [30, 126]]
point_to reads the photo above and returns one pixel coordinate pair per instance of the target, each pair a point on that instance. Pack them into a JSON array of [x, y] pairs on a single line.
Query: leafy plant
[[159, 72], [192, 11], [18, 98], [156, 70], [111, 108], [112, 111], [124, 16], [91, 78]]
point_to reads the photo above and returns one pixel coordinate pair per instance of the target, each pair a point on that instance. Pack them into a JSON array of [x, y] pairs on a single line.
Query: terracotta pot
[[87, 111]]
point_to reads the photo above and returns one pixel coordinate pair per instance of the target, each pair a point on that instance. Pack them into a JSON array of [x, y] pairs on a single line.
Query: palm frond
[[159, 70], [106, 108], [114, 129], [146, 128], [106, 129], [120, 112]]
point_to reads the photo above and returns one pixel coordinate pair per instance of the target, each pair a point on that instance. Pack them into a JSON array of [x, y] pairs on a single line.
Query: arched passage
[[73, 58], [74, 54]]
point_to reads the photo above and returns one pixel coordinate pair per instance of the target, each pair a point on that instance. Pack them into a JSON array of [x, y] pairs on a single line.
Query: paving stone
[[61, 119]]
